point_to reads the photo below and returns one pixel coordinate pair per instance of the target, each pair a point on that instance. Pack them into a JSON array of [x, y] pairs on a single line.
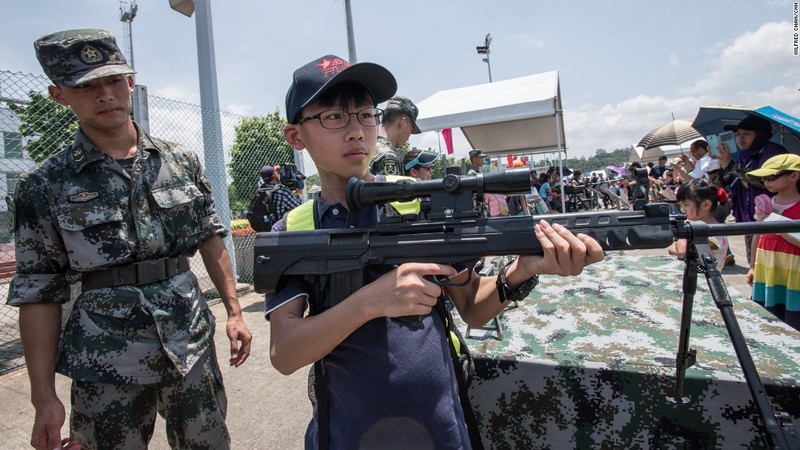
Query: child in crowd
[[699, 200], [545, 192], [668, 187], [385, 383], [775, 270]]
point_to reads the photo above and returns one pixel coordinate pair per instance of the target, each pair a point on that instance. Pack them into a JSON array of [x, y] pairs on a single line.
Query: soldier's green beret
[[73, 57]]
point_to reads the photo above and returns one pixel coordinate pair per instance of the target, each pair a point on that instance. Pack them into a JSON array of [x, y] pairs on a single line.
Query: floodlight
[[185, 7]]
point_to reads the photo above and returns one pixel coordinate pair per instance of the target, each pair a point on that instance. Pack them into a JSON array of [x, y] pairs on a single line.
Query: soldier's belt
[[136, 274]]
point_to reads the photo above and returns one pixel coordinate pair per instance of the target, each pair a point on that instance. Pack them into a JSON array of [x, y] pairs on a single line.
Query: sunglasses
[[776, 175]]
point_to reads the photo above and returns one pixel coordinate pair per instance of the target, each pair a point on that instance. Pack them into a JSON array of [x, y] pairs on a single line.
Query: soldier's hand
[[563, 252], [240, 338], [47, 424]]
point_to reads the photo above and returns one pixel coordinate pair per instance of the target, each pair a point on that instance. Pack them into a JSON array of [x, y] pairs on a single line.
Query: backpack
[[261, 213]]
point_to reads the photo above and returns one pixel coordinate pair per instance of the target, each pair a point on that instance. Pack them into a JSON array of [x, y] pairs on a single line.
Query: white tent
[[521, 115]]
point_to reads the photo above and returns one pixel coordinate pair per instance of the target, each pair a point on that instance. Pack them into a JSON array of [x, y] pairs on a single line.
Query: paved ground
[[266, 409]]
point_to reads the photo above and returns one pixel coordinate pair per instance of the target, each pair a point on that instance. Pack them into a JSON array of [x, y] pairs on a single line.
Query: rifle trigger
[[371, 259]]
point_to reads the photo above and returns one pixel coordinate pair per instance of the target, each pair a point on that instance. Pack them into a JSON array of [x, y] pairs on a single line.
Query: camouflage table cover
[[589, 362]]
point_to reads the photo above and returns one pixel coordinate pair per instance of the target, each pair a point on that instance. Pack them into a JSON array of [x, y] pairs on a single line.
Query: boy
[[386, 384]]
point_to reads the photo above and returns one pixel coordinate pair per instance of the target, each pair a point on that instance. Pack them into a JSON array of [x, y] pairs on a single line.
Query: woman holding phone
[[752, 137]]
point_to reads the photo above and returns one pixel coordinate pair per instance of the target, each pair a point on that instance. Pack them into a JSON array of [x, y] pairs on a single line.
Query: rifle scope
[[360, 195]]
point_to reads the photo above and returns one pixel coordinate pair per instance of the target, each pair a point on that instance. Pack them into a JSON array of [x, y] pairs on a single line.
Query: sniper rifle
[[450, 230]]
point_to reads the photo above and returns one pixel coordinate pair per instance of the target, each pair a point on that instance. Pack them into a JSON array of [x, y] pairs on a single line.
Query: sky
[[625, 67]]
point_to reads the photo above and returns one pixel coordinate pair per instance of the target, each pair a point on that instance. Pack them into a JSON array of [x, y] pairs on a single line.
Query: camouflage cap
[[404, 105], [73, 57]]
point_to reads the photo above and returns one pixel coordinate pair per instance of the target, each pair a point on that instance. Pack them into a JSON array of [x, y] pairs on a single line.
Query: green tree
[[597, 162], [48, 126], [259, 142]]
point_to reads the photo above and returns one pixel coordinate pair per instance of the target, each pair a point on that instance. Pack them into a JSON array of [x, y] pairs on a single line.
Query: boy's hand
[[405, 292], [564, 253]]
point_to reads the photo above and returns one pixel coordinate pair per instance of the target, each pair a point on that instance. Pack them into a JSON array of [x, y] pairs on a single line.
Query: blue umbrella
[[786, 128]]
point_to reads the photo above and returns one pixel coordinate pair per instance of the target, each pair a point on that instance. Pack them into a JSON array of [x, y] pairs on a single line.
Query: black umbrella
[[675, 132]]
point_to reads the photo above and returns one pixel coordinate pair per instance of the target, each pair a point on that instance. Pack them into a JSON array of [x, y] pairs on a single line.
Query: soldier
[[121, 212], [399, 123], [476, 161]]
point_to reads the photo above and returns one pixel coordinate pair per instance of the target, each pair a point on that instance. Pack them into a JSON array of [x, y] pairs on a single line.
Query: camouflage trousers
[[122, 416]]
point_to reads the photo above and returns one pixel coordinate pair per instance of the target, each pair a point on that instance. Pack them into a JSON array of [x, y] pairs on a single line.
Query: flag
[[447, 134]]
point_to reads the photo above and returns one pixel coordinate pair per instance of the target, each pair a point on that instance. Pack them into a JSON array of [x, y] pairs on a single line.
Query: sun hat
[[787, 162]]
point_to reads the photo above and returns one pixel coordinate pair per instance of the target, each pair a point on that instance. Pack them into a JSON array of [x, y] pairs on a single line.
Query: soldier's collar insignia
[[91, 55], [78, 154], [83, 197]]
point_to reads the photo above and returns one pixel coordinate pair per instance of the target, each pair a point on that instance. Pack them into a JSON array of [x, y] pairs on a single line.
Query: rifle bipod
[[780, 430]]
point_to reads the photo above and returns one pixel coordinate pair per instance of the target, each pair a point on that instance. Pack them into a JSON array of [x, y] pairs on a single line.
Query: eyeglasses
[[336, 119], [777, 175]]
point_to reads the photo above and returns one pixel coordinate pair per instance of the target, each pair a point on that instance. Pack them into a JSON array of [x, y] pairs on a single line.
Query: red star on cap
[[332, 67]]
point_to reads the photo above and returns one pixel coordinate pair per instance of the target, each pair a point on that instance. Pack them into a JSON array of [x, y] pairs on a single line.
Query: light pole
[[484, 50], [126, 16], [351, 39], [140, 113], [214, 155]]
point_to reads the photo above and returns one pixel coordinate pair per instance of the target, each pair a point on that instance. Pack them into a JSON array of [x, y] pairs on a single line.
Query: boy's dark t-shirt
[[386, 382]]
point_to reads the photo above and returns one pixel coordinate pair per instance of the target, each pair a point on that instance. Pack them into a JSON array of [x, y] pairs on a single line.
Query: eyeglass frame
[[379, 113]]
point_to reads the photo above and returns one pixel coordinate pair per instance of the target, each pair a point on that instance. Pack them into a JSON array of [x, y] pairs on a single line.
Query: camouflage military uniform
[[386, 160], [590, 364], [80, 212]]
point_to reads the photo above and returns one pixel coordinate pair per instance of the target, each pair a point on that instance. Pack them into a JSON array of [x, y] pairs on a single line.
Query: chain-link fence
[[232, 149]]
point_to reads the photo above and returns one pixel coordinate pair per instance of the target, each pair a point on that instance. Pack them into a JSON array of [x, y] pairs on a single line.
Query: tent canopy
[[520, 115]]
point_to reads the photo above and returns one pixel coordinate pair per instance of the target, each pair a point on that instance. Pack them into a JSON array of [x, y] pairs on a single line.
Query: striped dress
[[776, 283]]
